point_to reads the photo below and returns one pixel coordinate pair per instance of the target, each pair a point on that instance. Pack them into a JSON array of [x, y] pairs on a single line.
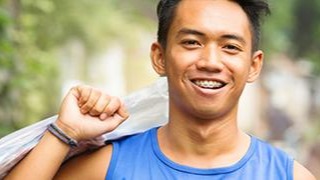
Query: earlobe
[[157, 58], [256, 66]]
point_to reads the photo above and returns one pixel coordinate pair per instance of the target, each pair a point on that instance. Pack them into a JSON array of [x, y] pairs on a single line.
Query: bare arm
[[43, 161], [92, 165], [301, 173], [85, 113]]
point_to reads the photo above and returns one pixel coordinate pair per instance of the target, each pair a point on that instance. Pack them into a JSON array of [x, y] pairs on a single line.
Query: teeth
[[208, 84]]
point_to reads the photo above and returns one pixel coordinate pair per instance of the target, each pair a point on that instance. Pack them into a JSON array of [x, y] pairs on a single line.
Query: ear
[[256, 66], [157, 58]]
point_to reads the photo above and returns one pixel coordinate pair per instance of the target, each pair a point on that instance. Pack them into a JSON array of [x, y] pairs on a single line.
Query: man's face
[[208, 58]]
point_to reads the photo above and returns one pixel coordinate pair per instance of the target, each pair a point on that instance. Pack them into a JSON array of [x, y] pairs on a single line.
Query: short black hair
[[166, 11]]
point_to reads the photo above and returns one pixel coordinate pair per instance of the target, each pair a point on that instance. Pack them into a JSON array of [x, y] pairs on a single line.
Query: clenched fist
[[86, 113]]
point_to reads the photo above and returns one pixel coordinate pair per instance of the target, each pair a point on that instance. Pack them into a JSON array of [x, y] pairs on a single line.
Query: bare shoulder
[[302, 173], [92, 165]]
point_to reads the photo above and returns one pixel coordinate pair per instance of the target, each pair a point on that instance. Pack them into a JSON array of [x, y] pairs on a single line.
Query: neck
[[206, 143]]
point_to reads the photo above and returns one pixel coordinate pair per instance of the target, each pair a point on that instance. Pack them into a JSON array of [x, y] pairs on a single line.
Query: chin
[[213, 112]]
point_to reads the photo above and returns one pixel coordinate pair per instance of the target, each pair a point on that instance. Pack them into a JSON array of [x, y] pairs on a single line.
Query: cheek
[[179, 61], [238, 66]]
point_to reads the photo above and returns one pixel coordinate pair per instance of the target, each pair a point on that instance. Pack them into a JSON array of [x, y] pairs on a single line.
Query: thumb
[[69, 107], [70, 98]]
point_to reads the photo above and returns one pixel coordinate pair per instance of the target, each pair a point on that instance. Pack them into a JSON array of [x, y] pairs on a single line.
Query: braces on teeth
[[209, 84]]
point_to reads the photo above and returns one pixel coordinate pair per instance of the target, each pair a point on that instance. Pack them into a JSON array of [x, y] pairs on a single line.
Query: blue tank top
[[139, 157]]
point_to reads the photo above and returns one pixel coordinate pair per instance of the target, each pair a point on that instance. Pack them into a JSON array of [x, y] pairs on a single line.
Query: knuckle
[[116, 101], [97, 91], [80, 87], [106, 97], [84, 98]]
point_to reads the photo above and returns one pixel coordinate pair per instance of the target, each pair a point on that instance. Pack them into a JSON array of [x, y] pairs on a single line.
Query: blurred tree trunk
[[15, 8], [306, 30], [10, 96]]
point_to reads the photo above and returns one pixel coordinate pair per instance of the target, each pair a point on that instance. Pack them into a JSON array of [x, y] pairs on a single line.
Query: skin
[[204, 43], [85, 113], [206, 46]]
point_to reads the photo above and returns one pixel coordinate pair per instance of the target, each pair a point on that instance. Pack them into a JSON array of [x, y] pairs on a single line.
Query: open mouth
[[209, 84]]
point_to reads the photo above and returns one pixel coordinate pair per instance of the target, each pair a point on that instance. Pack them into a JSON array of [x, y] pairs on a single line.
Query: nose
[[210, 60]]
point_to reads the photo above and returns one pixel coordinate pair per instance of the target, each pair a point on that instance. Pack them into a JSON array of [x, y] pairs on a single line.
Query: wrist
[[68, 130], [49, 137], [62, 136]]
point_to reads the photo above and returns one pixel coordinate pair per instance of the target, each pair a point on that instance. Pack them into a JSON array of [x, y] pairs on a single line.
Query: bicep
[[302, 173], [92, 165]]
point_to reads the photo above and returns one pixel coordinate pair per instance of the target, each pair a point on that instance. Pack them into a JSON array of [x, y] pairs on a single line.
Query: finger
[[112, 107], [123, 111], [113, 122], [84, 92], [100, 105], [91, 102], [103, 116]]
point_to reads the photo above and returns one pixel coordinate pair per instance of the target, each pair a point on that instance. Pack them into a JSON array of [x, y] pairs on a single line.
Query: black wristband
[[56, 131]]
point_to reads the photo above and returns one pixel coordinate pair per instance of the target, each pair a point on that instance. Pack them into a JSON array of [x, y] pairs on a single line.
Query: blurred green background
[[47, 46]]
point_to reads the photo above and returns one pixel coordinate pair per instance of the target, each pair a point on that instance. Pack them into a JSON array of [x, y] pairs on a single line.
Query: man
[[208, 50]]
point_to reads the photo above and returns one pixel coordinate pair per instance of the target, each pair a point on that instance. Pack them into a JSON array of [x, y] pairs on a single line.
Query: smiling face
[[208, 58]]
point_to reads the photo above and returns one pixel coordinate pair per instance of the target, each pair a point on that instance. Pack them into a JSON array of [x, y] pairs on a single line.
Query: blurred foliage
[[26, 67], [33, 31], [293, 28]]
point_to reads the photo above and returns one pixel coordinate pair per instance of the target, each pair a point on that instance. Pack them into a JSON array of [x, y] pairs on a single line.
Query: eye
[[191, 43], [233, 49]]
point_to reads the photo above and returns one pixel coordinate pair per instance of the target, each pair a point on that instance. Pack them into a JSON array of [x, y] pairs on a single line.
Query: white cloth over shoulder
[[148, 108]]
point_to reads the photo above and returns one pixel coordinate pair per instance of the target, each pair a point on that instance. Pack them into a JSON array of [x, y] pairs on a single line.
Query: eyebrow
[[234, 37], [186, 31]]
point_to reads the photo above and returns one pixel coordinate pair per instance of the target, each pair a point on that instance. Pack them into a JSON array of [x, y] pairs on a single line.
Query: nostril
[[209, 65]]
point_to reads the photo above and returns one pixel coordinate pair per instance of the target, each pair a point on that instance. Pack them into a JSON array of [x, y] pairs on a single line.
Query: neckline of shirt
[[200, 171]]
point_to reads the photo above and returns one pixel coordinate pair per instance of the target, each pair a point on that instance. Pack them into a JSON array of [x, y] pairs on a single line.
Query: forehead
[[212, 16]]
